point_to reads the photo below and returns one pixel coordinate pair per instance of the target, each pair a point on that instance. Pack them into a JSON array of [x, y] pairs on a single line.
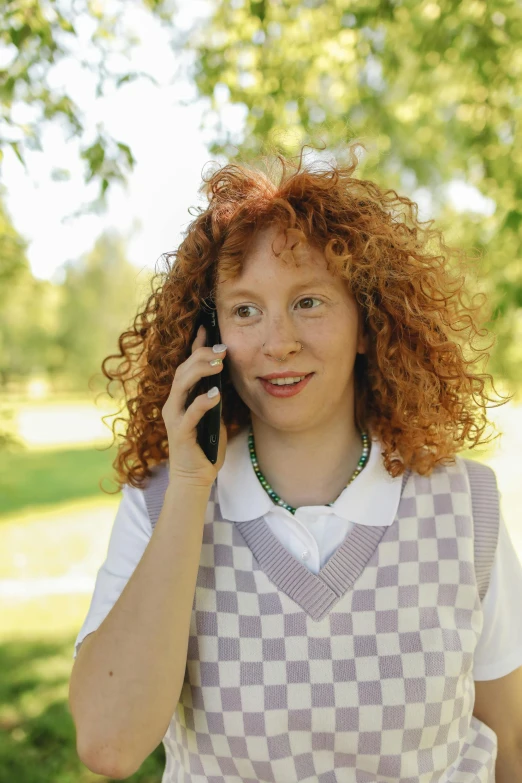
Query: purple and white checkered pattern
[[362, 673]]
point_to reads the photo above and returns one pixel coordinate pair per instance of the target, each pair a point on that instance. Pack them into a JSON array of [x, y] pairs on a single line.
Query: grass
[[51, 507], [45, 477], [49, 498]]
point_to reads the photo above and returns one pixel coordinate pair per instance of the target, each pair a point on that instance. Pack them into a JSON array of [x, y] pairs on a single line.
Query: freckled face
[[263, 315]]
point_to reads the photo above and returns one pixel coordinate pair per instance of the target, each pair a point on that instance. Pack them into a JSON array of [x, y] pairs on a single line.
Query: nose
[[281, 338]]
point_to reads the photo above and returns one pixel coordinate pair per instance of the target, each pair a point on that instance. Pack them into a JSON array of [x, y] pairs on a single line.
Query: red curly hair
[[415, 388]]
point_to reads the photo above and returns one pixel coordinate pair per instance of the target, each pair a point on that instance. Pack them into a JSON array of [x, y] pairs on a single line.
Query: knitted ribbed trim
[[316, 594], [486, 519], [154, 491]]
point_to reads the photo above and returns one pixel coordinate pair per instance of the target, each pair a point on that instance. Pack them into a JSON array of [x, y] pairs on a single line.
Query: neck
[[310, 467]]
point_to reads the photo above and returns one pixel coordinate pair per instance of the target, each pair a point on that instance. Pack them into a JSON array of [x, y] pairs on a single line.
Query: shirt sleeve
[[499, 649], [131, 532]]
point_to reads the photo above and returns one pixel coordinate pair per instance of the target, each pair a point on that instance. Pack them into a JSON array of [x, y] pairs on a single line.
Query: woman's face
[[263, 313]]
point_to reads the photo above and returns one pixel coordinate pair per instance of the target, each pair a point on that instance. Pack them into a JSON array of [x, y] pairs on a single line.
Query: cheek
[[238, 363]]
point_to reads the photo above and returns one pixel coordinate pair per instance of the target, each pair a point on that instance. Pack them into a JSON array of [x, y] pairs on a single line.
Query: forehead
[[269, 259], [271, 243], [238, 287]]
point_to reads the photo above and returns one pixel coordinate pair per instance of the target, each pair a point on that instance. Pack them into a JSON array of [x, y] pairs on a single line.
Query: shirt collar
[[371, 499]]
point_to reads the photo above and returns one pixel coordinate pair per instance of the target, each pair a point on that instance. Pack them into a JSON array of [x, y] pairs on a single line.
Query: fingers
[[200, 339], [190, 372]]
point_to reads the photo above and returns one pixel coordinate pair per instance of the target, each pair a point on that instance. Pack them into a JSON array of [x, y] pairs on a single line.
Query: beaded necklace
[[273, 494]]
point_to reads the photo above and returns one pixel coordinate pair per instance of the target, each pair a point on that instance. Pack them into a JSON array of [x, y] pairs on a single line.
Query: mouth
[[285, 376], [286, 389], [289, 374]]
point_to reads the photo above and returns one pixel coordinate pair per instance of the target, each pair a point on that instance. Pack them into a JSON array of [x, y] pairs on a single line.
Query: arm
[[498, 689], [498, 704], [128, 675]]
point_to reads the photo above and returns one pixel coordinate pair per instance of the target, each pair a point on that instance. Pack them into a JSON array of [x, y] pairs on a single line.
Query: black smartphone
[[208, 426]]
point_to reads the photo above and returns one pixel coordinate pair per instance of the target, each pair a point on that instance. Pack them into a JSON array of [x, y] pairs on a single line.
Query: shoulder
[[481, 483], [158, 472], [465, 475], [476, 467]]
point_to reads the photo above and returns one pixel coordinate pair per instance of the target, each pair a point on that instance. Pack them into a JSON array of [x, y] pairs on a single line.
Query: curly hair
[[415, 388]]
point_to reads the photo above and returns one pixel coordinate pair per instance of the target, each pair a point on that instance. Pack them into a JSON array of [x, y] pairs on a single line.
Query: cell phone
[[208, 426]]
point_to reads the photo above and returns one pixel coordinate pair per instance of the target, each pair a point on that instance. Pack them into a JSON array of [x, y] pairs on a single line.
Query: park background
[[110, 114]]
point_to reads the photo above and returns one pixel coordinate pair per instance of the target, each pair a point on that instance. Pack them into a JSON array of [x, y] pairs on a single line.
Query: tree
[[65, 329], [38, 34], [100, 296], [13, 259], [28, 310], [432, 88]]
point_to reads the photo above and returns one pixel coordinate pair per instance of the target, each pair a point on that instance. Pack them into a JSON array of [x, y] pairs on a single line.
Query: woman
[[326, 601]]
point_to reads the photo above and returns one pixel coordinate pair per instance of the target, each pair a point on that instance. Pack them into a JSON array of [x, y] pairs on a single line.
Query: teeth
[[286, 381]]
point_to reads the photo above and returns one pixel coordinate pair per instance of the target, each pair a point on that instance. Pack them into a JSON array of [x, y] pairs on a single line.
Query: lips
[[286, 389], [288, 374]]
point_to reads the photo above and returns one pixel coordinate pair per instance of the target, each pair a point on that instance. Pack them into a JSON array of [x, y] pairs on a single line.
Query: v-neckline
[[316, 594]]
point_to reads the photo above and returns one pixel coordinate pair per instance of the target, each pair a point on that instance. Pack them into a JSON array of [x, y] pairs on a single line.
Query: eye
[[309, 299], [304, 299]]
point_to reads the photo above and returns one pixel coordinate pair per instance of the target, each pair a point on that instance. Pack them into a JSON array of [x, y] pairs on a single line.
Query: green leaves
[[40, 33], [432, 88], [107, 160]]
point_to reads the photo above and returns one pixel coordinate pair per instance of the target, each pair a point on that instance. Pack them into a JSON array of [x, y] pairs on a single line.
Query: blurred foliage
[[433, 89], [63, 330], [99, 297], [56, 329], [38, 34], [13, 259], [36, 478]]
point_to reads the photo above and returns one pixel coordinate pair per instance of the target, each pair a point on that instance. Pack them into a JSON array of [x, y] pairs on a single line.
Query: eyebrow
[[313, 281]]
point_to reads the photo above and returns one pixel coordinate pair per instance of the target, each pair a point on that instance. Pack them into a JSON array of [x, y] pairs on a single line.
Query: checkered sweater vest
[[360, 674]]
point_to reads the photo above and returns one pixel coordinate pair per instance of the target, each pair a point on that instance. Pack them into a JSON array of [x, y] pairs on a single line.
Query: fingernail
[[219, 348]]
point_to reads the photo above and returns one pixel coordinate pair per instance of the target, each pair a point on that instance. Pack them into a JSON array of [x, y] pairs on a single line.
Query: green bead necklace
[[275, 497]]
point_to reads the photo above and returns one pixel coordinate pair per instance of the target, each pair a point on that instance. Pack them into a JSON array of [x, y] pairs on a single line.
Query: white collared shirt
[[312, 535]]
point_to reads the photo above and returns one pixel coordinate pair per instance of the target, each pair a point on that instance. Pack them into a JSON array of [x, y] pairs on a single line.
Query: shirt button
[[305, 555]]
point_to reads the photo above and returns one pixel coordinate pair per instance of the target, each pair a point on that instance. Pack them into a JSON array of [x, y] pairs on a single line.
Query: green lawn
[[42, 493], [41, 477], [37, 733]]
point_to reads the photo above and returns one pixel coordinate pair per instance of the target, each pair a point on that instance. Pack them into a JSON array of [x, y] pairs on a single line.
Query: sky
[[162, 127]]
